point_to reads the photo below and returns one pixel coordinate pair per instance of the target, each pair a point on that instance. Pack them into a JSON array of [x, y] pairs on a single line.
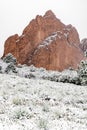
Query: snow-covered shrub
[[82, 72], [32, 68], [18, 101], [21, 114], [45, 108], [69, 76], [66, 76], [30, 75], [0, 69], [24, 65], [74, 80], [69, 79], [19, 66], [10, 58], [11, 67], [59, 113], [52, 76], [41, 69], [43, 124]]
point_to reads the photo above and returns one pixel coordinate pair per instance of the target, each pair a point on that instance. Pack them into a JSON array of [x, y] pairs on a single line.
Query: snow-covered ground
[[37, 104]]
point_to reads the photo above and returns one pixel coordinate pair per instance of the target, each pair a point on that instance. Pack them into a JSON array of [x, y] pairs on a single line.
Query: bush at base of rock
[[30, 76], [32, 68], [10, 58], [78, 77], [68, 79], [0, 69], [11, 67], [19, 66], [82, 72], [66, 76]]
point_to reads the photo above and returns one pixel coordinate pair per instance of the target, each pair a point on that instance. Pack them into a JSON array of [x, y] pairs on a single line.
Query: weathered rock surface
[[46, 42], [83, 44]]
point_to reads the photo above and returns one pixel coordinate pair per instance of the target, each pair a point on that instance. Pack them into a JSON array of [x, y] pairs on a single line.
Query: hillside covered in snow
[[36, 99], [40, 104]]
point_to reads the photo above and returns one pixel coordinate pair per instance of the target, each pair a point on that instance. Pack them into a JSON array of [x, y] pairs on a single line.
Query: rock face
[[83, 44], [46, 42]]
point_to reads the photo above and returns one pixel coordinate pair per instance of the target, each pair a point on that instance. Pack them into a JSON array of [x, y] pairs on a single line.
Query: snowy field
[[37, 104]]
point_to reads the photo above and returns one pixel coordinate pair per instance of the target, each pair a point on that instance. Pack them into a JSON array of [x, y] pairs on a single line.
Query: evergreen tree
[[82, 72]]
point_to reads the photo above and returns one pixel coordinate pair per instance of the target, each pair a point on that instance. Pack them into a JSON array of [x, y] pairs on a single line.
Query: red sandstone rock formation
[[46, 42]]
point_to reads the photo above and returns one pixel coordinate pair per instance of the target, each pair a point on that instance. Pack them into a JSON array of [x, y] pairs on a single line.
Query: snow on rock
[[49, 40], [53, 37], [36, 104]]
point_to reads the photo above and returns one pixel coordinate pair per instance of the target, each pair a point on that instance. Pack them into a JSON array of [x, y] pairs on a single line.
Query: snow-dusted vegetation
[[33, 104], [8, 65], [37, 99]]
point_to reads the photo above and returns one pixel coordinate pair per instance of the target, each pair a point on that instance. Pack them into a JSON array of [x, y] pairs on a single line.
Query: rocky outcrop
[[46, 42], [83, 44]]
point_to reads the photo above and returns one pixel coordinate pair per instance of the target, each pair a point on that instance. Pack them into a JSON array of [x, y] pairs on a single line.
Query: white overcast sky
[[16, 14]]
